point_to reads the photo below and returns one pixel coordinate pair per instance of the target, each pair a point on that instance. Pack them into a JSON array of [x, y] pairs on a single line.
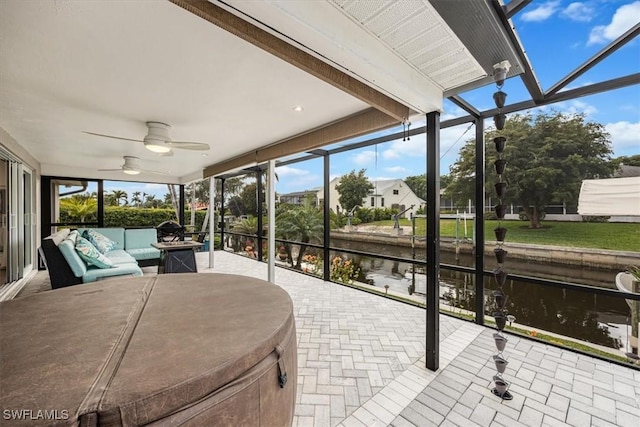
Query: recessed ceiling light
[[298, 109]]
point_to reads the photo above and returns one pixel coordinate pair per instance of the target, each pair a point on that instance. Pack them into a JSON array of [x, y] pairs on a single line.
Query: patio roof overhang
[[230, 79]]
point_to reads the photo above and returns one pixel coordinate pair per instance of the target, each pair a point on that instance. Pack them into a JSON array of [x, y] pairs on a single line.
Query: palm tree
[[246, 226], [135, 199], [173, 197], [119, 195], [303, 224], [78, 207], [151, 201]]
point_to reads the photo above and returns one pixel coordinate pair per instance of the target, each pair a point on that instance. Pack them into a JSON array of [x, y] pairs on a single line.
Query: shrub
[[587, 218]]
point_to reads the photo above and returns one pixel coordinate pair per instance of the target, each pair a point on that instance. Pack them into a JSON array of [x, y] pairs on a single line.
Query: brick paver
[[361, 363]]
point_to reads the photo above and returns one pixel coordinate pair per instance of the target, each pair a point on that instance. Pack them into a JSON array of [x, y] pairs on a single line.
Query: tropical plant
[[248, 226], [120, 196], [135, 198], [303, 224], [79, 207], [634, 270]]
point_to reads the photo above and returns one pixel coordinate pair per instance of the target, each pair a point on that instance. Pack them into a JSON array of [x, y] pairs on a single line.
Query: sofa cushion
[[60, 236], [115, 234], [119, 256], [140, 238], [68, 249], [94, 273], [101, 242], [90, 254], [146, 253]]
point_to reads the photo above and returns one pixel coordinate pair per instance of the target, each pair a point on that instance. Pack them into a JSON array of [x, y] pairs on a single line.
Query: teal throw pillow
[[101, 242], [91, 255]]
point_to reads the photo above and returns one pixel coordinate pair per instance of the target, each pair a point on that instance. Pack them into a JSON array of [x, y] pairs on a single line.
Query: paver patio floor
[[361, 363]]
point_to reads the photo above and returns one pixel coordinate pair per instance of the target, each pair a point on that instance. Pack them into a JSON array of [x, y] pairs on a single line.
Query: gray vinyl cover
[[176, 349]]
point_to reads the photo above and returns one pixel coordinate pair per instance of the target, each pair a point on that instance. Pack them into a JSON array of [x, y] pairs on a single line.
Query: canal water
[[597, 319]]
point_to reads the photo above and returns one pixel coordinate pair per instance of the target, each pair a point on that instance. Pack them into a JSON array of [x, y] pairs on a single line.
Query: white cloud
[[416, 147], [396, 169], [625, 17], [624, 135], [578, 107], [295, 179], [566, 107], [452, 111], [152, 188], [287, 171], [390, 154], [364, 158], [578, 11], [541, 12]]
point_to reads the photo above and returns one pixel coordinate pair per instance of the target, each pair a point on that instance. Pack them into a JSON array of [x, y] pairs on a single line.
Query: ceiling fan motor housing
[[131, 165], [157, 138]]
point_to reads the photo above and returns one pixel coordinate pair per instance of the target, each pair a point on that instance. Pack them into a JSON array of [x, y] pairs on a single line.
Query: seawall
[[540, 254]]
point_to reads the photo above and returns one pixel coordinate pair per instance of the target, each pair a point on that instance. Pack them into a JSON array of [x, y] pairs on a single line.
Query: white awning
[[608, 197]]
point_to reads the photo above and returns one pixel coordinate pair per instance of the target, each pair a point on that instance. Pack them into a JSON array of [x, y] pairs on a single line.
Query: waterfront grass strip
[[610, 236]]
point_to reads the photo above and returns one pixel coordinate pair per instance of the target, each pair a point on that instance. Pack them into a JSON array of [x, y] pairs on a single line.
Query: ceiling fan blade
[[201, 146], [154, 172], [111, 136], [110, 170]]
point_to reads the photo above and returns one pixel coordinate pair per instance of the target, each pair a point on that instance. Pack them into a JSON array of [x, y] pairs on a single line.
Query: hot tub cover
[[188, 349]]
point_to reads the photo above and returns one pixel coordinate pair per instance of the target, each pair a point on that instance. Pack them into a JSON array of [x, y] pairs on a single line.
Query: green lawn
[[614, 236]]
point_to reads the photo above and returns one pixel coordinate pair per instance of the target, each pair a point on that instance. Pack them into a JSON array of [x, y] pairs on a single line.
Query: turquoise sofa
[[132, 250], [134, 241]]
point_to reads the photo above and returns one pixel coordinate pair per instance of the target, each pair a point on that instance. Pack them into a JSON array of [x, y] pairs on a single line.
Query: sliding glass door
[[17, 225]]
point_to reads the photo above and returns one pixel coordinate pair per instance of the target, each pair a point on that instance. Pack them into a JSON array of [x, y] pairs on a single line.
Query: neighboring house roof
[[626, 171], [382, 185]]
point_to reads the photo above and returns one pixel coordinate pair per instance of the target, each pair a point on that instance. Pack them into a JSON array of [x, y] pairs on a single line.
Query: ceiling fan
[[158, 141], [131, 166]]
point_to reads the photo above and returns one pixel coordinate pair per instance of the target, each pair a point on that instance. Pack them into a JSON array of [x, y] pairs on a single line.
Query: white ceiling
[[109, 67]]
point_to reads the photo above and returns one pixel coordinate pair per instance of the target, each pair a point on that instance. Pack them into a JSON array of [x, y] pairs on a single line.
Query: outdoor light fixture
[[156, 145]]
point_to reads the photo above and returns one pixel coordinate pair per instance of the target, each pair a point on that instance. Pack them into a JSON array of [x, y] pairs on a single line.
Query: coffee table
[[177, 257]]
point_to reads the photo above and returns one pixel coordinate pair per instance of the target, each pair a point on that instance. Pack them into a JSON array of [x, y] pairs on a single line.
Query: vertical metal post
[[222, 212], [271, 210], [100, 203], [259, 213], [326, 274], [212, 219], [181, 207], [433, 241], [479, 222]]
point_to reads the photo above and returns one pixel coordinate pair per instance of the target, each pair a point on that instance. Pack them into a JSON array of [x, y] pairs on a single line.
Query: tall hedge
[[118, 216]]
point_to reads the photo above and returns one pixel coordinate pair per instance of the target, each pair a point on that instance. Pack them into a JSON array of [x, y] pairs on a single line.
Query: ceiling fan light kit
[[132, 166], [157, 146]]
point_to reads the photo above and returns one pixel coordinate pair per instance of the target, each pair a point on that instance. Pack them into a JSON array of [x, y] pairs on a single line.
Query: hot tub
[[176, 349]]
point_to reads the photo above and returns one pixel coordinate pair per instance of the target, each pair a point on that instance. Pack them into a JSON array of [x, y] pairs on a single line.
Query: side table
[[177, 257]]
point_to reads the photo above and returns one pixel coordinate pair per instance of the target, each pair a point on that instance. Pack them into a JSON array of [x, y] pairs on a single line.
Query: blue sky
[[558, 36]]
